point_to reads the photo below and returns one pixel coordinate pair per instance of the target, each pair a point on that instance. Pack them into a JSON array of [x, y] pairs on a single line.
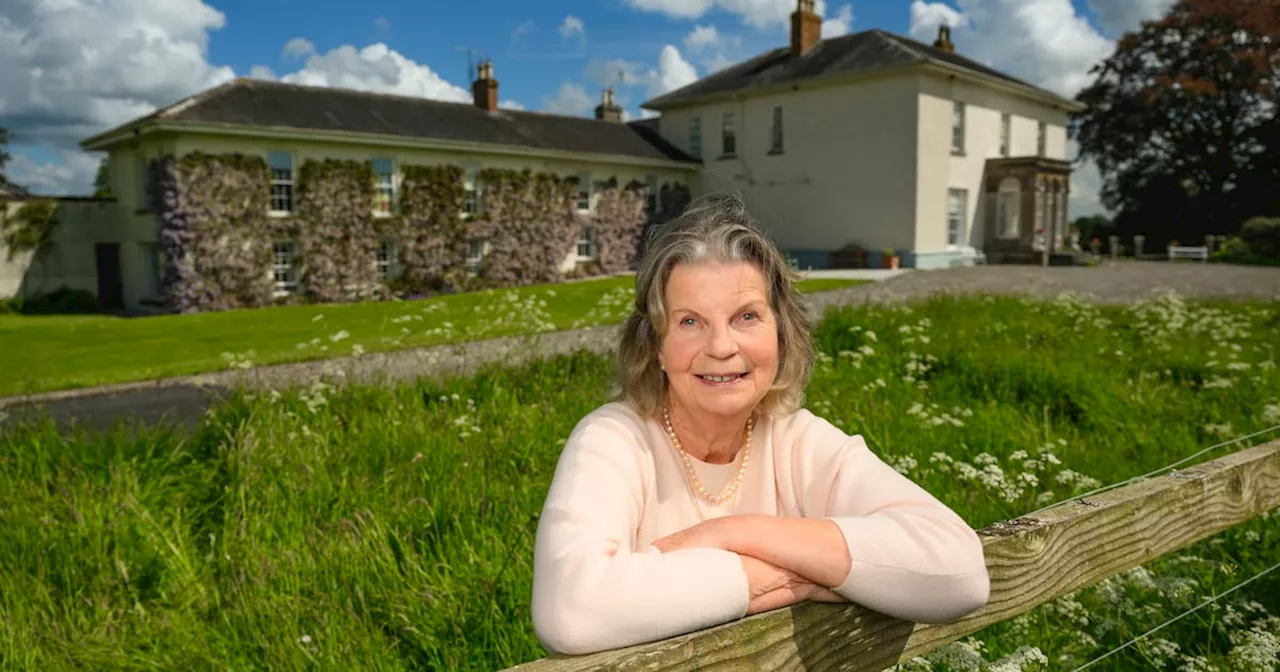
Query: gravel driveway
[[184, 399]]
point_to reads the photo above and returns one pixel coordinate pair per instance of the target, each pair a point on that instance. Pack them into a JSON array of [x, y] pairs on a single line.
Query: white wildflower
[[340, 336]]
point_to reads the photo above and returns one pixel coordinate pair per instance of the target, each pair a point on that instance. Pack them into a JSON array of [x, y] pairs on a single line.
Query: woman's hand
[[771, 587]]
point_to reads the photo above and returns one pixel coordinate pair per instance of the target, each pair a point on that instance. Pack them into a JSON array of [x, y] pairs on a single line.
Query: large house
[[879, 141], [867, 141]]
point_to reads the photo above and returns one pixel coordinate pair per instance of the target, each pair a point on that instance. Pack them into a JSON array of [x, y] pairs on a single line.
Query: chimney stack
[[943, 43], [806, 27], [607, 110], [485, 88]]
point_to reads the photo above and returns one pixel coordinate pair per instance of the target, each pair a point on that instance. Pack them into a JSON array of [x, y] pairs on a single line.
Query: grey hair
[[713, 228]]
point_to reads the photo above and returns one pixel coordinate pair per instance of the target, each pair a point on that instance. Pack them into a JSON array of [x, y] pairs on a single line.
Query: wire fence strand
[[1161, 470], [1175, 619]]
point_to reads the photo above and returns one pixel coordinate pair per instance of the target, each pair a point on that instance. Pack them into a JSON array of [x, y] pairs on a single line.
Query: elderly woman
[[705, 492]]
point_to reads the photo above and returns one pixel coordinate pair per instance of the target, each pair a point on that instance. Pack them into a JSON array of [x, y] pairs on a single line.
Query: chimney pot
[[607, 110], [806, 27], [485, 89], [943, 42]]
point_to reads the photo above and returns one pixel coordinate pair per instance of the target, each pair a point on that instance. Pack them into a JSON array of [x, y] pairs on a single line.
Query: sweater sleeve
[[592, 590], [913, 558]]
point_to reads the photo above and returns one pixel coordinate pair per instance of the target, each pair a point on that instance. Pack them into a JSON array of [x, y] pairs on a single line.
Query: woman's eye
[[687, 321], [748, 316]]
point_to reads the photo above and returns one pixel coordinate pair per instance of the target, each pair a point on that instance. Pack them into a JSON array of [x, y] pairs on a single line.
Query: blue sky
[[72, 68]]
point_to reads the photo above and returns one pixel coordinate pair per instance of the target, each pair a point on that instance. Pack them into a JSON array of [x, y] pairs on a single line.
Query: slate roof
[[866, 51], [253, 102]]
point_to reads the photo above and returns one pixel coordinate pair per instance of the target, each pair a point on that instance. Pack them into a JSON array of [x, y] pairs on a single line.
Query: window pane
[[280, 161], [384, 195]]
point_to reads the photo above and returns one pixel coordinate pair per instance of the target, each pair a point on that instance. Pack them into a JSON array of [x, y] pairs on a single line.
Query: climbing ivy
[[619, 219], [531, 223], [213, 232], [431, 231], [216, 236], [338, 240]]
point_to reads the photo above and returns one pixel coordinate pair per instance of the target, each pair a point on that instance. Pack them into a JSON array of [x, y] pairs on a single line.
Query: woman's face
[[721, 347]]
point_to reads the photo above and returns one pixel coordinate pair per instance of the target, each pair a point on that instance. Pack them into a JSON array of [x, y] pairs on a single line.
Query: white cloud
[[702, 37], [1086, 186], [382, 24], [262, 72], [523, 29], [673, 72], [617, 72], [1116, 17], [511, 105], [841, 24], [376, 68], [762, 14], [927, 16], [299, 47], [74, 68], [71, 175], [572, 27], [571, 99]]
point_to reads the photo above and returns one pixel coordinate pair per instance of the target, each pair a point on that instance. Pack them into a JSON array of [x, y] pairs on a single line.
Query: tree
[[1188, 100], [102, 181], [4, 149]]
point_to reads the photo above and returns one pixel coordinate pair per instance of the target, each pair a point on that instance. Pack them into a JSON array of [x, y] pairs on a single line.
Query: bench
[[1188, 252]]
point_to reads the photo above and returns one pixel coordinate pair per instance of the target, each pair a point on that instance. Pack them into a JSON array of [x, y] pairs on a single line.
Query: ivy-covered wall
[[531, 223], [213, 231], [216, 237], [431, 232], [336, 232], [619, 220]]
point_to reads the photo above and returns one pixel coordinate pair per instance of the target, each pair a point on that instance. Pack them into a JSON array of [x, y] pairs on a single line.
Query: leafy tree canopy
[[1188, 101]]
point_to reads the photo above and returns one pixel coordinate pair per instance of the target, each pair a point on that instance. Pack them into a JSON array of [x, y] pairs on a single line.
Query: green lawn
[[391, 527], [51, 353]]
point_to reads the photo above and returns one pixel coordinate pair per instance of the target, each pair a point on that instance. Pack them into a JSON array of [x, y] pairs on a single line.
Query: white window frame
[[728, 135], [1006, 134], [283, 183], [1042, 139], [384, 187], [472, 202], [957, 217], [582, 197], [586, 250], [776, 139], [284, 273], [957, 128], [387, 255], [1009, 210], [695, 137], [476, 248]]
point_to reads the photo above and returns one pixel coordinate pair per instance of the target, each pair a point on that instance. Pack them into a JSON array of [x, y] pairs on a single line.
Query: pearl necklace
[[694, 481]]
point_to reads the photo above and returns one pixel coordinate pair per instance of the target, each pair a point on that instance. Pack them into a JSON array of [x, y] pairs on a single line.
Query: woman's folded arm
[[911, 556], [592, 590]]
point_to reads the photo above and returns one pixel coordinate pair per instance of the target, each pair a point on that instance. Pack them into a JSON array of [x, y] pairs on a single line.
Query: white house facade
[[876, 141]]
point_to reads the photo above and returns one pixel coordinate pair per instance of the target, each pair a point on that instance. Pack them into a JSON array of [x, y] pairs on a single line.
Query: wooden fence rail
[[1032, 560]]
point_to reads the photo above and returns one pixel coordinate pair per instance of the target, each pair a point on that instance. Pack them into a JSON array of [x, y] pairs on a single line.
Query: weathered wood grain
[[1031, 560]]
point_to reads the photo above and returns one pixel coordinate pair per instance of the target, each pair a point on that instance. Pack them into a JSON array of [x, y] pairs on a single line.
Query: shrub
[[1262, 235], [60, 301]]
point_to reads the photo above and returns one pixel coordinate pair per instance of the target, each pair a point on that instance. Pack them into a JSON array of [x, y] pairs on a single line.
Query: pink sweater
[[619, 485]]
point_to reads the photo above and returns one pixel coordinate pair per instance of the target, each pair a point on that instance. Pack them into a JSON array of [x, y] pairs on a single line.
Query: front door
[[110, 289]]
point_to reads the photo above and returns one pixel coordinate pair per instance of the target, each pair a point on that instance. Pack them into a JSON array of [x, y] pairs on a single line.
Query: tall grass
[[392, 527]]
